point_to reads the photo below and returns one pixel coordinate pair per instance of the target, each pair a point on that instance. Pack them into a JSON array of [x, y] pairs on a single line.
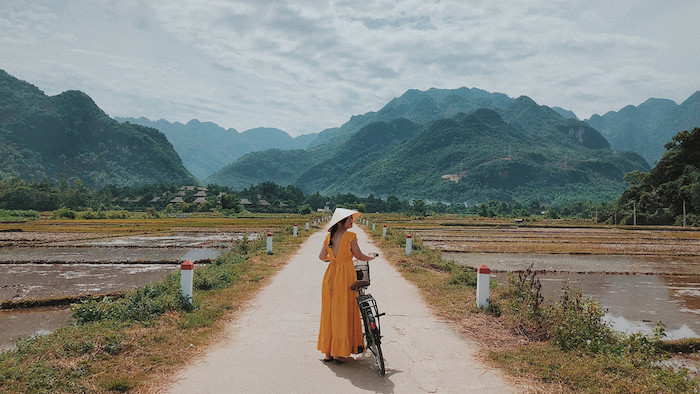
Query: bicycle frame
[[370, 316]]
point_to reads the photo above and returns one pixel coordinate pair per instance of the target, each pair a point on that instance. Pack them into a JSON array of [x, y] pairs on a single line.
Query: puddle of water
[[36, 281], [634, 302], [22, 323]]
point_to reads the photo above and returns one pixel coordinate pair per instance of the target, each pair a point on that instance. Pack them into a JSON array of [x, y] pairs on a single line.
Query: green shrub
[[97, 310], [463, 276], [18, 214], [91, 215], [63, 213], [122, 214], [578, 324]]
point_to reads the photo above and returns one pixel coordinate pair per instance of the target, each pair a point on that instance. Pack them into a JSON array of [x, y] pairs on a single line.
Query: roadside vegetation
[[129, 343], [557, 346]]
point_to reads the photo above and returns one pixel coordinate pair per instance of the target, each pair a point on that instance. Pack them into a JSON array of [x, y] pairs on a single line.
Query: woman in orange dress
[[340, 333]]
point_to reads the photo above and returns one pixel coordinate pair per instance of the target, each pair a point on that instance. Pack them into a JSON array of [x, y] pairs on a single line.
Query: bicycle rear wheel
[[376, 348]]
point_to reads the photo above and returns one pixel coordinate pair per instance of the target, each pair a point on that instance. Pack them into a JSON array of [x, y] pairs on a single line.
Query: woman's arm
[[355, 249], [324, 254]]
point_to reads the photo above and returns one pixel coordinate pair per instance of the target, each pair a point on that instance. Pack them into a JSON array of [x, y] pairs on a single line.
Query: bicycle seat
[[358, 284]]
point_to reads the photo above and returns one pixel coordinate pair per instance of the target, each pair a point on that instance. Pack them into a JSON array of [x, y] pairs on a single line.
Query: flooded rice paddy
[[639, 277], [40, 266], [637, 291]]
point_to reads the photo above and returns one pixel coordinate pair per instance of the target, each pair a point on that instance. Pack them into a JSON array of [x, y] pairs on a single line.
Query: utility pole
[[634, 212], [683, 213], [596, 214]]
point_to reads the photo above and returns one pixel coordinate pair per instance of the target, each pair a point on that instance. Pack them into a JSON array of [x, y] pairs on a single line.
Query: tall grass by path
[[561, 346], [139, 341]]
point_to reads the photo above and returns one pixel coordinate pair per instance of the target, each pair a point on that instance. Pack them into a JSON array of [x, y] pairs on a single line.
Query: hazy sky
[[303, 66]]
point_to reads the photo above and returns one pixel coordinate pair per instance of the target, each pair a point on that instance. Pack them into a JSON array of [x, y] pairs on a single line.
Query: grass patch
[[11, 215], [562, 346], [136, 343]]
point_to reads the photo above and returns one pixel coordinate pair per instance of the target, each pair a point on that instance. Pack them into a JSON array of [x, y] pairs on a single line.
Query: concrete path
[[271, 347]]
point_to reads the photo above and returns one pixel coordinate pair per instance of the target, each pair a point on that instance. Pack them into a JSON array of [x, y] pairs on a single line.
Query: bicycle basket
[[362, 269]]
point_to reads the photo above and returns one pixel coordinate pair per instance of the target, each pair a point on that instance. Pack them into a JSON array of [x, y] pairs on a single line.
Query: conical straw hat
[[341, 213]]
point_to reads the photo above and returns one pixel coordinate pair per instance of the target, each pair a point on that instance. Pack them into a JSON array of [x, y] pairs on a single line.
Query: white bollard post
[[373, 227], [295, 230], [409, 245], [269, 243], [482, 286], [186, 279], [307, 225], [384, 232]]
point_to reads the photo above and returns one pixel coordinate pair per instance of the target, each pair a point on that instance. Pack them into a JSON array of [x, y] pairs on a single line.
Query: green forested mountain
[[368, 145], [271, 165], [68, 136], [417, 106], [646, 128], [479, 157], [512, 149], [659, 195], [206, 147]]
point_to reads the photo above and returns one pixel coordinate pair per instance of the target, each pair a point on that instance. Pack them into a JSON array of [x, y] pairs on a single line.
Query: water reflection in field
[[635, 302], [21, 323]]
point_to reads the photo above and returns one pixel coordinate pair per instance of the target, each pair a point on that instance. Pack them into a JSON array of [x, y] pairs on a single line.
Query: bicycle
[[370, 313]]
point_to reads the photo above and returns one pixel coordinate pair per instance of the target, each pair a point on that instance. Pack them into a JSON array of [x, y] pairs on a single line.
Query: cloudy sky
[[303, 66]]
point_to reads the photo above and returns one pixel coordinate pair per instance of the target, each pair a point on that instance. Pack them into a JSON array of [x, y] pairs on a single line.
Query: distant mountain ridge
[[417, 106], [206, 147], [67, 137], [442, 146], [647, 127]]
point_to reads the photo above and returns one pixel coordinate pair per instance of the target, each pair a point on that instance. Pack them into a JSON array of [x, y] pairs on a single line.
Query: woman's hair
[[333, 230]]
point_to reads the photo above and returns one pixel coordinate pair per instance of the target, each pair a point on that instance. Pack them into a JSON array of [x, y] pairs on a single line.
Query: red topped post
[[186, 279]]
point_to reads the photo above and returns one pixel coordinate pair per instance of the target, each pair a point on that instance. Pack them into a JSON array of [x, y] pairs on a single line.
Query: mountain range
[[68, 137], [462, 146], [453, 145], [206, 147], [647, 127]]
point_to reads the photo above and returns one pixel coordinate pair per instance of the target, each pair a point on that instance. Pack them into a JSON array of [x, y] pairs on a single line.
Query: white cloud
[[306, 66]]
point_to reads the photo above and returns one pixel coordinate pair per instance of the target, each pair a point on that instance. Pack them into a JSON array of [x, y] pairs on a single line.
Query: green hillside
[[279, 166], [648, 127], [478, 157], [444, 147], [658, 196], [68, 136]]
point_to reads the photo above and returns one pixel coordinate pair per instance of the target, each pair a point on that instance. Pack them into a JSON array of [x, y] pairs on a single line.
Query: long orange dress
[[341, 331]]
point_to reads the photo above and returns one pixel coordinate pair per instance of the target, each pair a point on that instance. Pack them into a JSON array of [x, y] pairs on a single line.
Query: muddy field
[[676, 244], [45, 265], [639, 276], [46, 260]]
